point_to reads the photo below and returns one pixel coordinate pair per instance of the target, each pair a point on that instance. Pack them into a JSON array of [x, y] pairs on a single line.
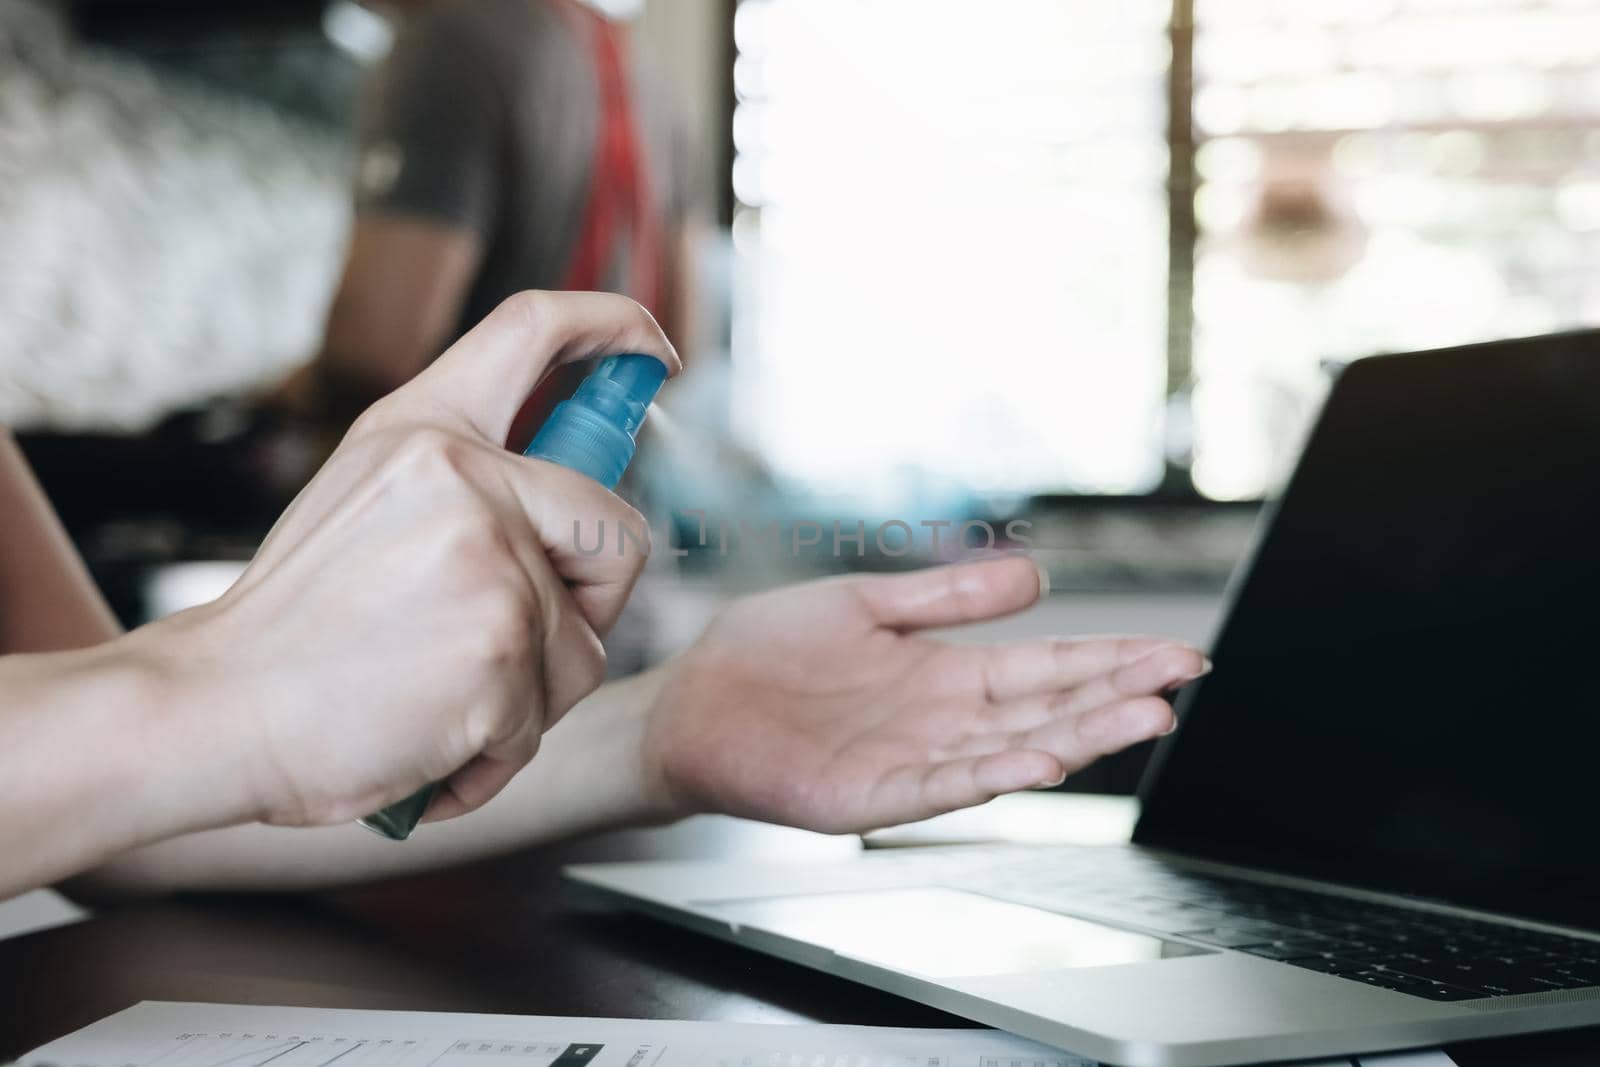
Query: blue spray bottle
[[593, 433]]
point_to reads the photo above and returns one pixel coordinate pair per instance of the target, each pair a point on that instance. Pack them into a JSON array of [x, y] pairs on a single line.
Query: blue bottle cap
[[594, 431]]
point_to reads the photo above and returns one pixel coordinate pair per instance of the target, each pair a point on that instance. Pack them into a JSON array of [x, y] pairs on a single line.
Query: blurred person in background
[[504, 145]]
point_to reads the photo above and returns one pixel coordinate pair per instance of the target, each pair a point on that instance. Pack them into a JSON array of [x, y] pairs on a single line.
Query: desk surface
[[496, 937]]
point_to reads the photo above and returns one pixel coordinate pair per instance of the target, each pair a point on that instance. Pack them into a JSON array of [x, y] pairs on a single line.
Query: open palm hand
[[823, 706]]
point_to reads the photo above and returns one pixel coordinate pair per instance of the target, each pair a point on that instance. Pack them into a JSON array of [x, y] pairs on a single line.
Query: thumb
[[485, 377], [952, 595]]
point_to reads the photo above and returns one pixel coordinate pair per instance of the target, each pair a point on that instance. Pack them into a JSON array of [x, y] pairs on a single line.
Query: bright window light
[[952, 244], [1380, 176]]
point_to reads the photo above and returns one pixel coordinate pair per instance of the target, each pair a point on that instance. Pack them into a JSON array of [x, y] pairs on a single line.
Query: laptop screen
[[1405, 687]]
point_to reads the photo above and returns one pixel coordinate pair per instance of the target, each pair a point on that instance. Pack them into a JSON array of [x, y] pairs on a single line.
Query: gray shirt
[[486, 115]]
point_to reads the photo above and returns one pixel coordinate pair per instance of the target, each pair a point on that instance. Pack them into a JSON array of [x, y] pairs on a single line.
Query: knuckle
[[503, 629], [619, 306], [578, 668], [528, 308], [475, 536], [591, 662], [473, 791], [375, 419], [427, 451], [311, 810], [483, 725], [650, 324], [637, 324], [1064, 651], [966, 597], [525, 749], [630, 306]]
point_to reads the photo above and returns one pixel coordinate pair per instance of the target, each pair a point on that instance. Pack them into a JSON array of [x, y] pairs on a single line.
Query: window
[[1380, 175], [952, 234], [952, 243]]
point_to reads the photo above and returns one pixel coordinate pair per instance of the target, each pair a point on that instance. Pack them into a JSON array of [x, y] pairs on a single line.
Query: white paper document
[[156, 1034]]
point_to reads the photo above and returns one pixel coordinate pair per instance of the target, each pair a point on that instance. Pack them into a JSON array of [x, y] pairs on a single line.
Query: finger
[[1157, 671], [485, 377], [570, 662], [951, 595], [1027, 668], [471, 787], [1021, 722], [574, 666], [923, 791], [593, 540], [1078, 740]]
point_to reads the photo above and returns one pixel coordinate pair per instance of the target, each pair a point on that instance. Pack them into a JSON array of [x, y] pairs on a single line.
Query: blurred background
[[1088, 267]]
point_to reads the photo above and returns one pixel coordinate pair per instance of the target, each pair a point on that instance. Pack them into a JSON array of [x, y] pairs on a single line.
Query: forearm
[[399, 302], [47, 601], [94, 759], [589, 775]]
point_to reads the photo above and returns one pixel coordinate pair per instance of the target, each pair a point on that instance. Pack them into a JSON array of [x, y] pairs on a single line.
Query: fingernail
[[1044, 580], [1051, 783], [1206, 667], [1169, 731]]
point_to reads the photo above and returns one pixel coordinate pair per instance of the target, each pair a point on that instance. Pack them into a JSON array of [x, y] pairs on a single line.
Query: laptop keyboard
[[1426, 954]]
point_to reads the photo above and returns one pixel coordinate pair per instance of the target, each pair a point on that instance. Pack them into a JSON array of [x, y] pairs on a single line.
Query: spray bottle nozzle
[[593, 431], [621, 388]]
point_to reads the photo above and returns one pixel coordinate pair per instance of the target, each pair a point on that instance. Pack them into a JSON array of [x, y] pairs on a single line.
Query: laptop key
[[1441, 991], [1400, 983], [1222, 938], [1171, 922], [1280, 950], [1392, 980], [1330, 965], [1454, 972], [1508, 982], [1581, 981]]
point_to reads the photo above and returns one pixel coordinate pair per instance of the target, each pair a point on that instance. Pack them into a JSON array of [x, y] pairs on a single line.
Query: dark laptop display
[[1429, 723]]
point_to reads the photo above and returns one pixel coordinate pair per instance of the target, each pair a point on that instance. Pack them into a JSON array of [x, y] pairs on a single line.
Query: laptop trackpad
[[945, 932]]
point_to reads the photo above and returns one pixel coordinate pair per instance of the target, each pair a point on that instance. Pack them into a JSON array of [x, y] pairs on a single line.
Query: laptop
[[1376, 826]]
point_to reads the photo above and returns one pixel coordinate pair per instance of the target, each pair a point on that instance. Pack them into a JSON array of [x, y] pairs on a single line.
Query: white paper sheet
[[158, 1034]]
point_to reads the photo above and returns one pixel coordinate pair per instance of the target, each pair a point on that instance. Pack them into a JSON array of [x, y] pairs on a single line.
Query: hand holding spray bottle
[[593, 433]]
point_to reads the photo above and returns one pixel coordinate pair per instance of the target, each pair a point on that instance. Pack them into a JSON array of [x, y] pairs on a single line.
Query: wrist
[[596, 769], [661, 750], [644, 703], [196, 725]]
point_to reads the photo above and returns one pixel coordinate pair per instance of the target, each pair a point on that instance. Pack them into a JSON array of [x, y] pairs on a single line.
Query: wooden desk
[[501, 936], [497, 937]]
